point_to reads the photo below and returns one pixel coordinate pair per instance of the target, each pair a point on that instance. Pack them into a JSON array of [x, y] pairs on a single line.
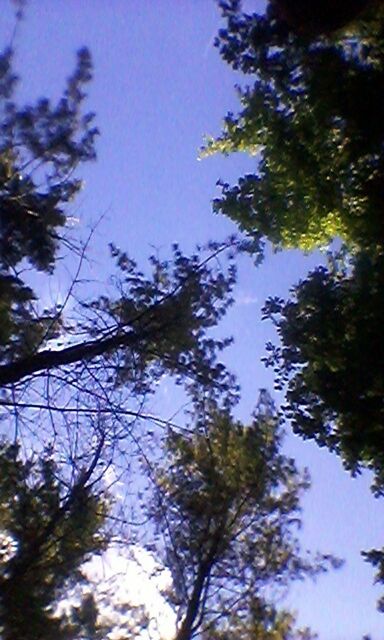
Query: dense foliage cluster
[[228, 505], [331, 357], [311, 113], [47, 532]]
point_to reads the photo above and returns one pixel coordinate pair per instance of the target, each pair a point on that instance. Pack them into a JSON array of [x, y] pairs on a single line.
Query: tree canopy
[[74, 384], [40, 147], [227, 504], [331, 357], [47, 532], [312, 117], [311, 114]]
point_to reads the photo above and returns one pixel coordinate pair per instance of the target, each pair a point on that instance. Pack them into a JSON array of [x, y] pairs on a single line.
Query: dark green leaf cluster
[[47, 533], [331, 358], [41, 145]]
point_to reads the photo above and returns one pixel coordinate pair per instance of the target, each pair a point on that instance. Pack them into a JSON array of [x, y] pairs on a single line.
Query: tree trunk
[[188, 625], [186, 629]]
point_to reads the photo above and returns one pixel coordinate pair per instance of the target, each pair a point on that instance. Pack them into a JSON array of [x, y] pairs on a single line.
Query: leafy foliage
[[331, 364], [49, 532], [167, 315], [40, 147], [313, 117], [148, 326], [228, 505], [227, 500], [331, 358]]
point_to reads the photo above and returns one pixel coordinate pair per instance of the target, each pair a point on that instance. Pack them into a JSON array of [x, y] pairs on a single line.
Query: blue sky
[[159, 86]]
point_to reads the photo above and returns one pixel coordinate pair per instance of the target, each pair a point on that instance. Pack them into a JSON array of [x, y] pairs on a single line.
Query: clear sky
[[159, 86]]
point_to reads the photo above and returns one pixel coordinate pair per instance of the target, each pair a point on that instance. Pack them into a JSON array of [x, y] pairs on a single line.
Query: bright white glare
[[8, 547], [124, 579]]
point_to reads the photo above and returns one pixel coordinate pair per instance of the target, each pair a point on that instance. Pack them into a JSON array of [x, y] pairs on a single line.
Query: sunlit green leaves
[[313, 116]]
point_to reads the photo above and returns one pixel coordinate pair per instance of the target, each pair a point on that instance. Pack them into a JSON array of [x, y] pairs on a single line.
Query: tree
[[151, 324], [40, 147], [330, 364], [322, 18], [331, 359], [162, 317], [108, 354], [227, 505], [312, 115], [319, 176], [47, 532]]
